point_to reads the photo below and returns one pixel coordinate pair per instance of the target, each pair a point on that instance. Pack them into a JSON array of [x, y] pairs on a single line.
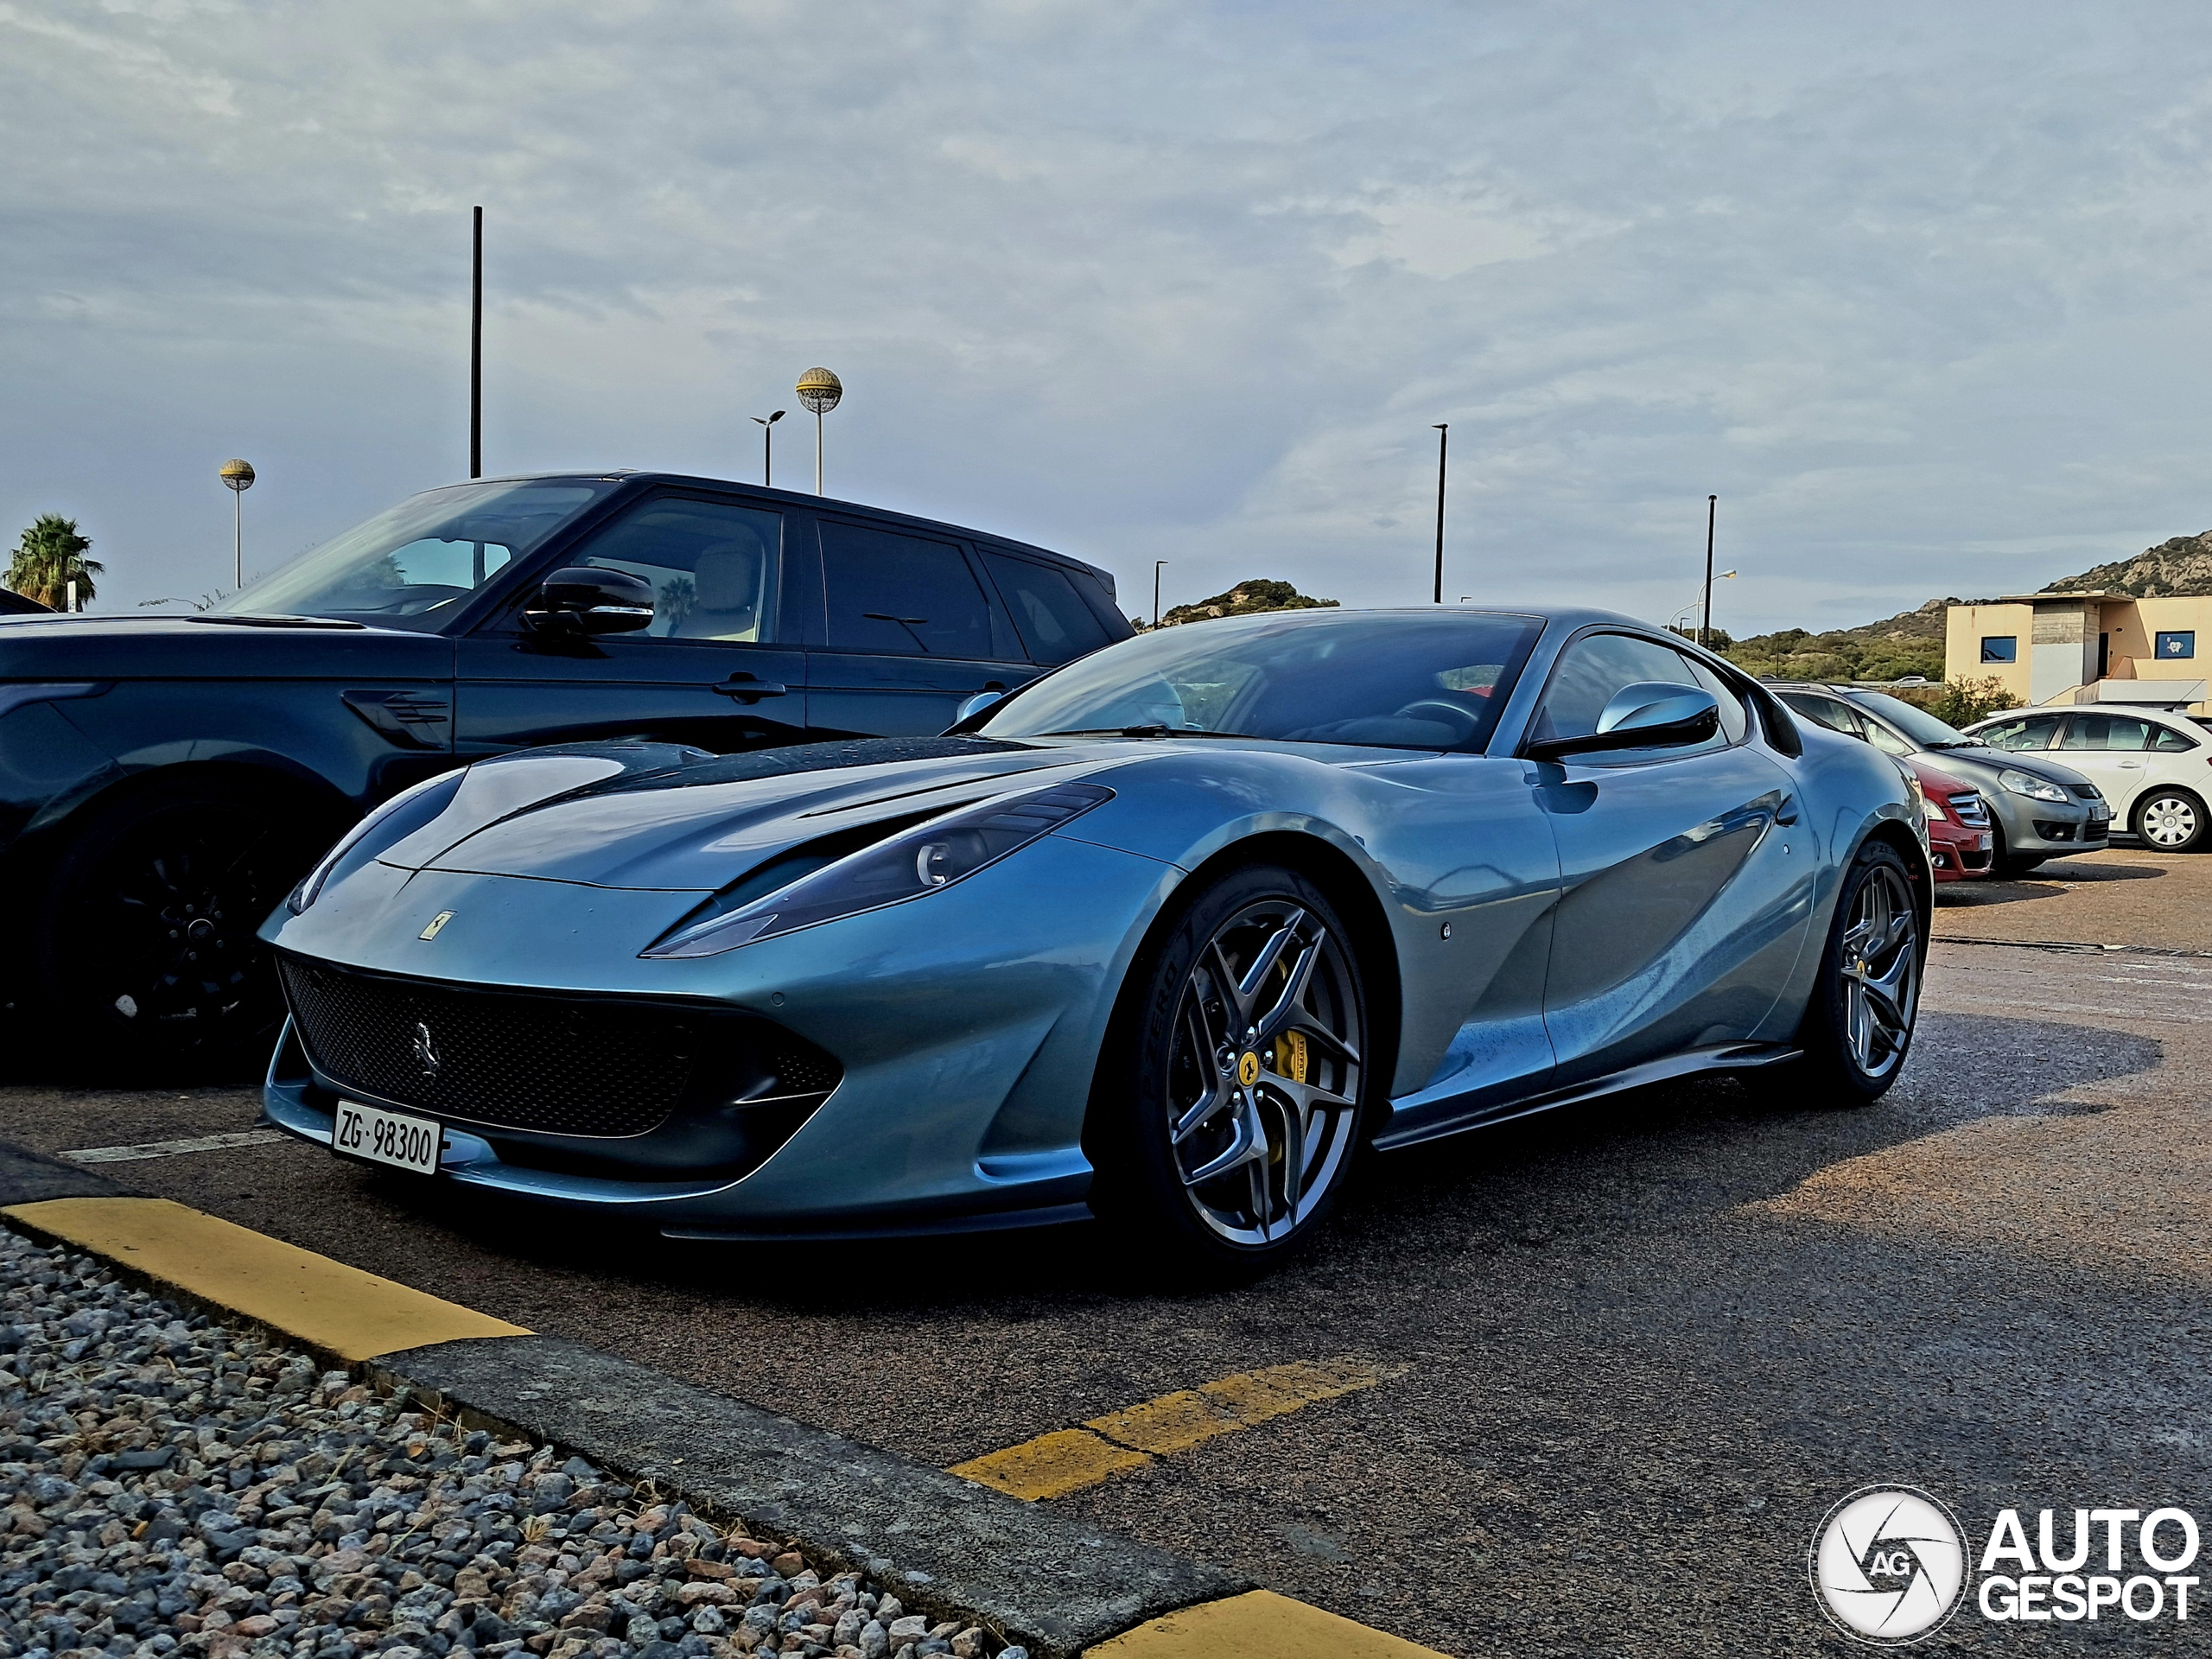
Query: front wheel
[[1857, 1027], [1225, 1127], [2172, 820], [2011, 866]]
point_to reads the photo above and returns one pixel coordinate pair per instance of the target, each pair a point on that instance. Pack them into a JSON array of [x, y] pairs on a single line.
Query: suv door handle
[[744, 686], [1787, 812]]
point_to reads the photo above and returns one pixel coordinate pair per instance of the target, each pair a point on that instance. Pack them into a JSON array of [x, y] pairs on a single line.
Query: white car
[[2154, 767]]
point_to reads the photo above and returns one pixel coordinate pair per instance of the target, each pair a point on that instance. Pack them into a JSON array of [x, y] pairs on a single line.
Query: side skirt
[[1725, 1057]]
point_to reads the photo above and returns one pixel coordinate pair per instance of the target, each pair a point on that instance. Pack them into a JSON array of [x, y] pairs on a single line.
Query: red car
[[1958, 824]]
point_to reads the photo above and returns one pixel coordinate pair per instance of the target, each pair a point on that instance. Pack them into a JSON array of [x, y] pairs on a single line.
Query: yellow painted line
[[1066, 1460], [325, 1304], [1069, 1459], [1259, 1624]]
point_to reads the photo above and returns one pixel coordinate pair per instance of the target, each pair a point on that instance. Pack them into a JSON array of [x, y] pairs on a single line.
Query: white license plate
[[382, 1137]]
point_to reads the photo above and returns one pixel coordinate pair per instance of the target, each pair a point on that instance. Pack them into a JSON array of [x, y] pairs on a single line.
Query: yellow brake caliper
[[1290, 1056]]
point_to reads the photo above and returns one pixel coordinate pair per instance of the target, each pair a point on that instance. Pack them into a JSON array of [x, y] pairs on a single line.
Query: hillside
[[2177, 568], [1244, 600], [1912, 642]]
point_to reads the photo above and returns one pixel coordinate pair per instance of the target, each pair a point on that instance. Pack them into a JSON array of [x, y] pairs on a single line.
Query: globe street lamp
[[768, 448], [238, 476], [819, 390]]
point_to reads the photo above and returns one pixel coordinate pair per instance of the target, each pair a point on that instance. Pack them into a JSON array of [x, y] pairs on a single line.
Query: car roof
[[807, 498], [2124, 710]]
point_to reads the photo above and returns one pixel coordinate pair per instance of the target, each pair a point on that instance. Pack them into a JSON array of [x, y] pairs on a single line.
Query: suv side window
[[2021, 732], [1735, 719], [1052, 619], [896, 594], [713, 566], [1590, 671]]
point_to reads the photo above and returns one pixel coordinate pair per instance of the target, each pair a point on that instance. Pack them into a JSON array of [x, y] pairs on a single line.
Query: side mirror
[[1650, 714], [976, 705], [580, 599]]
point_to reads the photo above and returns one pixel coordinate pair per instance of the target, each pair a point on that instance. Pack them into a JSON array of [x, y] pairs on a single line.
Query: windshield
[[1382, 679], [413, 566], [1918, 724]]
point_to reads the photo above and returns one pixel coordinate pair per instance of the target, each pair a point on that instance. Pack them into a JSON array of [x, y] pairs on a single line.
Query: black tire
[[1857, 1027], [2009, 866], [145, 938], [1307, 1057], [2171, 820]]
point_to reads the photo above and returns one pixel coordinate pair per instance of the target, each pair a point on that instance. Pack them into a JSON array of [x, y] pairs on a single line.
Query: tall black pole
[[476, 353], [1156, 564], [1705, 631], [1443, 437], [767, 455]]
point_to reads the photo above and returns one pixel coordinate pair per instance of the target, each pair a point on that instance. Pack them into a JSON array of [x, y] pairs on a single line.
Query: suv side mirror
[[580, 599], [1649, 715]]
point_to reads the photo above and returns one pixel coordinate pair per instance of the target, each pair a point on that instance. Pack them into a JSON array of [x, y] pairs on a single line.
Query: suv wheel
[[2172, 820], [1857, 1027], [146, 939]]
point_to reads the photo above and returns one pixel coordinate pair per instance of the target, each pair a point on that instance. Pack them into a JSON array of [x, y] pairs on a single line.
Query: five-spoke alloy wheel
[[1234, 1128]]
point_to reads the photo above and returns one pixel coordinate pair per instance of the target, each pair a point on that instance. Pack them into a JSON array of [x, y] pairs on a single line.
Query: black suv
[[165, 780]]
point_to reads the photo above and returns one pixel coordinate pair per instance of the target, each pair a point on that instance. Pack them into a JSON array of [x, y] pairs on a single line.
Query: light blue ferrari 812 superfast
[[1171, 936]]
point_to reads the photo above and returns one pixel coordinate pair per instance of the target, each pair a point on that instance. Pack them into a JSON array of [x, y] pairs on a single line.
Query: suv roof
[[807, 498]]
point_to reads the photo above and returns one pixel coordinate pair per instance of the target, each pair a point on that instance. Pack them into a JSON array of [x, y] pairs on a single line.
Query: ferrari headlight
[[402, 815], [924, 859], [2035, 788]]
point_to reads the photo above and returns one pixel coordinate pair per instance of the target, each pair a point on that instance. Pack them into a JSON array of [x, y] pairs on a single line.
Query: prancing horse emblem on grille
[[425, 1056]]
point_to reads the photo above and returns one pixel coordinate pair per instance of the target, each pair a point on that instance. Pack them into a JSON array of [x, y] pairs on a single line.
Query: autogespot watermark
[[1890, 1564]]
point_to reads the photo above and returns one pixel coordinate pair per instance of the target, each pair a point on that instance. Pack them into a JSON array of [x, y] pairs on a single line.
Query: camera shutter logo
[[1888, 1565]]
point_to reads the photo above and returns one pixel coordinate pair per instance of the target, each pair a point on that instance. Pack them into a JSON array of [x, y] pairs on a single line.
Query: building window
[[2003, 647], [2175, 644]]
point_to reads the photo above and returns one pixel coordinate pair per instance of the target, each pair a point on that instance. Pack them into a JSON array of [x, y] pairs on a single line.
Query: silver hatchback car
[[2042, 810]]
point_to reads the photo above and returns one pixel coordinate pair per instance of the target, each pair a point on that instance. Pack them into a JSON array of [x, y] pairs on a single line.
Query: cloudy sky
[[1919, 291]]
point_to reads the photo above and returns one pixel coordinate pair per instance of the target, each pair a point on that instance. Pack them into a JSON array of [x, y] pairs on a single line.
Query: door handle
[[2132, 765], [1787, 812], [747, 689]]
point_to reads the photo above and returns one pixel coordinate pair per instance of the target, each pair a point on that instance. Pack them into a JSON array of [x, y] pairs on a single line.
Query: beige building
[[2085, 647]]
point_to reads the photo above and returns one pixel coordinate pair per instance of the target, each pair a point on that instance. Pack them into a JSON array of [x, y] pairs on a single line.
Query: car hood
[[62, 648], [1998, 759], [660, 816]]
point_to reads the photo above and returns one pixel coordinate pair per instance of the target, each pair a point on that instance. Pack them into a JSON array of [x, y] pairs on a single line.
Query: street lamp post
[[1705, 598], [768, 450], [1443, 437], [819, 392], [1156, 564], [238, 476], [476, 352], [1704, 628]]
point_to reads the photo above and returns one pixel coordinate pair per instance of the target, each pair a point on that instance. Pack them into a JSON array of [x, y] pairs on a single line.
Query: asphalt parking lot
[[1610, 1367]]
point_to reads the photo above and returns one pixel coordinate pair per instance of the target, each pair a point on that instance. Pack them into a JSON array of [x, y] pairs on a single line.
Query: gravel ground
[[177, 1487]]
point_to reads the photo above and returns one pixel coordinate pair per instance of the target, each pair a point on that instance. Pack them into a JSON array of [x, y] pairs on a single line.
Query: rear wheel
[[146, 937], [1227, 1127], [1857, 1027], [2172, 820]]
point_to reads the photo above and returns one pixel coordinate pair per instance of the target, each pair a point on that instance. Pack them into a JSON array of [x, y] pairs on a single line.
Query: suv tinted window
[[713, 565], [903, 595], [1053, 620]]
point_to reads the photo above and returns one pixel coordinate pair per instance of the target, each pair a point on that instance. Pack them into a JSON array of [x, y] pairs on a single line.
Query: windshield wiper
[[243, 619]]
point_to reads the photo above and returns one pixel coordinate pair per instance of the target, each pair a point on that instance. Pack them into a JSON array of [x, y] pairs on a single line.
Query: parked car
[[1167, 935], [2042, 810], [2151, 765], [1961, 838], [165, 780]]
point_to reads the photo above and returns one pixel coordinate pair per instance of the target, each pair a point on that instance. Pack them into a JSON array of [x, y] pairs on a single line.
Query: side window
[[1735, 719], [2170, 741], [2020, 732], [903, 595], [713, 565], [1591, 670], [1825, 711], [1052, 616], [2106, 732], [1885, 740]]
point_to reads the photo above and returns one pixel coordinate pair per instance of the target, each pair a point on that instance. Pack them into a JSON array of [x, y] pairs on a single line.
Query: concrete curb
[[952, 1548]]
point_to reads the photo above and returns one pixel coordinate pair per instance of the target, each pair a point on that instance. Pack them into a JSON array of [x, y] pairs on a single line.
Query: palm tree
[[50, 556]]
